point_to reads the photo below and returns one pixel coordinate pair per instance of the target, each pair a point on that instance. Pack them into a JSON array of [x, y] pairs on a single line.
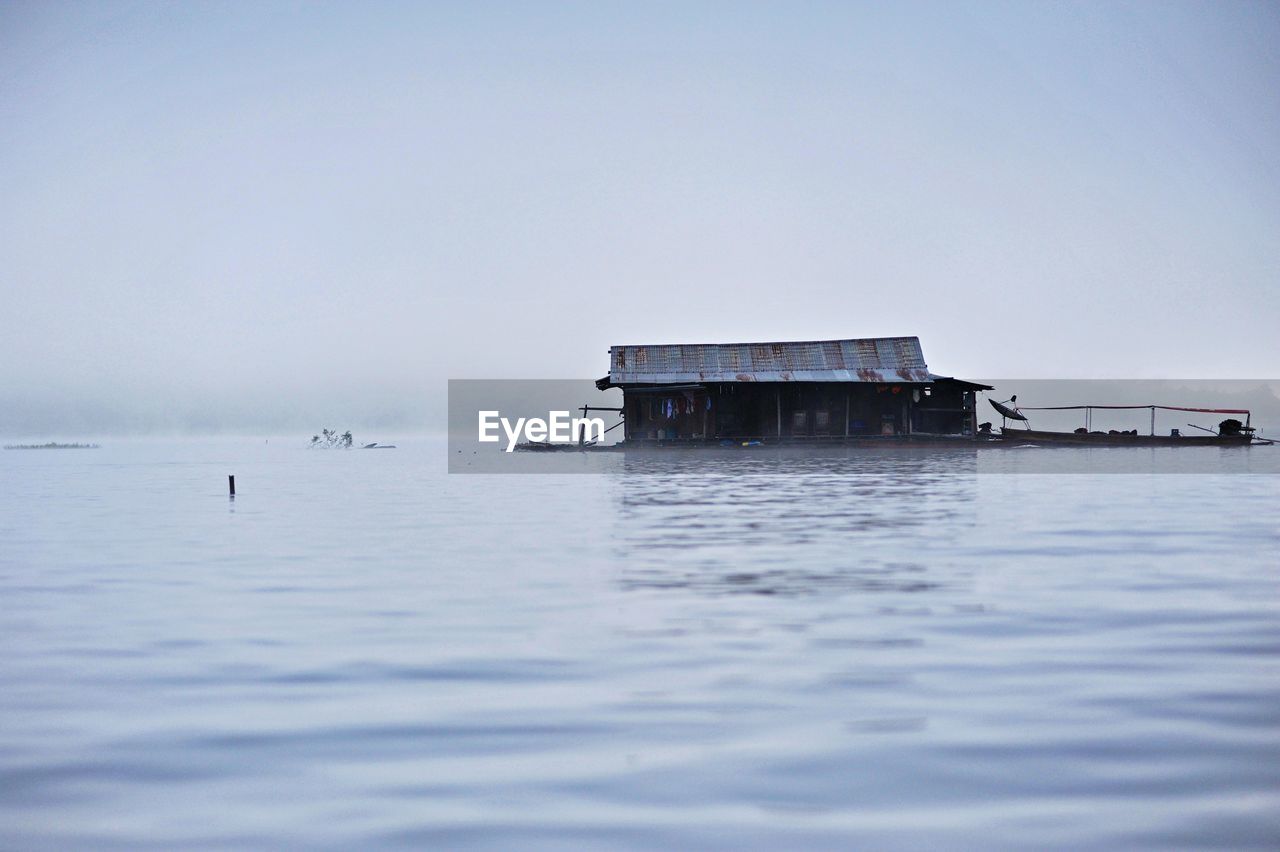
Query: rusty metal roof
[[874, 359]]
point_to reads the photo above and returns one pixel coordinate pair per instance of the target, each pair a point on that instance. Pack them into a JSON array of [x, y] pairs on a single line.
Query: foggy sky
[[272, 216]]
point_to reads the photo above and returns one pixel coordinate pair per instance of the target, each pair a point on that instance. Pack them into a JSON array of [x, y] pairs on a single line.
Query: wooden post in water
[[231, 484]]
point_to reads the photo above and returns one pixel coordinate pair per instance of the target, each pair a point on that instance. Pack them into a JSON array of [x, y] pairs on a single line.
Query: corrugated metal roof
[[874, 359]]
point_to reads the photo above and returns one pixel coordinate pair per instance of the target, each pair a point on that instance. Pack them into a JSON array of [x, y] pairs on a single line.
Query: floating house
[[829, 390]]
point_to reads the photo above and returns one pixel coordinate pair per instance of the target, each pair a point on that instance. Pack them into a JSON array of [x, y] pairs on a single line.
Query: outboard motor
[[1230, 427]]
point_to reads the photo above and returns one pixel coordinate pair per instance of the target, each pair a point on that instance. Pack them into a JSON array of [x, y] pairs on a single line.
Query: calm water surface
[[718, 651]]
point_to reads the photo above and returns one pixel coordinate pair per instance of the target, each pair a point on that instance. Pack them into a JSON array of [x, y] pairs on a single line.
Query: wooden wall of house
[[794, 410]]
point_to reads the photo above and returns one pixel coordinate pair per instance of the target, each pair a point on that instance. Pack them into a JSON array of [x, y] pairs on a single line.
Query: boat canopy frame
[[1089, 409]]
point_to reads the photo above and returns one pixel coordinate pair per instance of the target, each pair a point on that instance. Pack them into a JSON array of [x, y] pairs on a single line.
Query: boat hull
[[1106, 439]]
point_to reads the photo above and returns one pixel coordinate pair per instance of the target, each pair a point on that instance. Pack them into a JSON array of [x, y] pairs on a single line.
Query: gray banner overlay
[[1192, 426]]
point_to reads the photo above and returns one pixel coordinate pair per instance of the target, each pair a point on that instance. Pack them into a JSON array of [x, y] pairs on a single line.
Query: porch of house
[[796, 411]]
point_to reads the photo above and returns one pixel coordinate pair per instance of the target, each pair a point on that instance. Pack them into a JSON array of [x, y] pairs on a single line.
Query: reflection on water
[[906, 461], [726, 525], [693, 650], [783, 581]]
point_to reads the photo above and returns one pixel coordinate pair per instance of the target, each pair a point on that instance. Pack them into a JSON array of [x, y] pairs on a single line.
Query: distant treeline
[[51, 446]]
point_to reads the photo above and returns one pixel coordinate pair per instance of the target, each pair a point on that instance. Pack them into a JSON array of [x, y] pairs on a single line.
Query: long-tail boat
[[1231, 432]]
